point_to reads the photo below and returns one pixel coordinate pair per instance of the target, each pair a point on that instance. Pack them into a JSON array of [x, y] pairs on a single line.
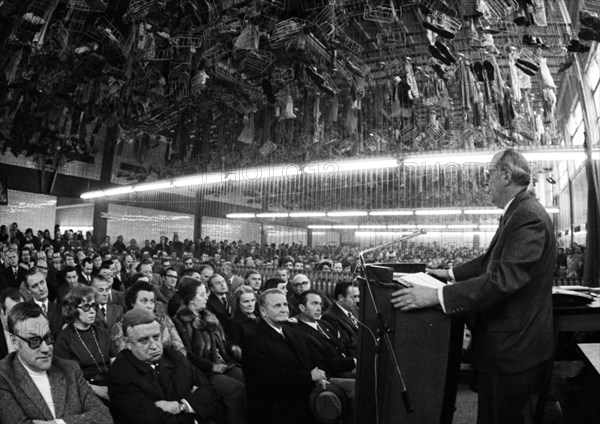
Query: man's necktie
[[353, 319], [103, 309], [44, 308], [321, 330], [225, 304]]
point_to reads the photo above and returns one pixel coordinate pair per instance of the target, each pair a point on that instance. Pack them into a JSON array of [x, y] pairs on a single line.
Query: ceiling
[[172, 69]]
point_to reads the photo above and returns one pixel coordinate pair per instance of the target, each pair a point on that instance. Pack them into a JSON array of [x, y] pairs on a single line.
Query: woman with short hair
[[84, 342]]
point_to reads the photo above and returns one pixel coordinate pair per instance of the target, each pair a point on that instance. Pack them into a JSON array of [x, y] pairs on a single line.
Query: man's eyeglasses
[[303, 284], [87, 306], [171, 276], [36, 341]]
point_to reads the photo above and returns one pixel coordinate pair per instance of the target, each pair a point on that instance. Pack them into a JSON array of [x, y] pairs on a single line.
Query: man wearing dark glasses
[[36, 386]]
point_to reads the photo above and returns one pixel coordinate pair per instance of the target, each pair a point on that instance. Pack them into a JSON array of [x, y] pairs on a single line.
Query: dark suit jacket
[[114, 314], [73, 399], [3, 343], [508, 291], [341, 322], [117, 298], [14, 280], [328, 352], [83, 281], [216, 306], [278, 380], [55, 318], [133, 389], [239, 328], [3, 280]]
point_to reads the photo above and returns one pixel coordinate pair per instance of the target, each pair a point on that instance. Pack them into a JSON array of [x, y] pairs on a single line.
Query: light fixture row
[[443, 160], [461, 227], [397, 212]]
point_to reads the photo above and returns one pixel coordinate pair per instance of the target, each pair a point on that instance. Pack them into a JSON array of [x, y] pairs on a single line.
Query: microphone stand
[[383, 329]]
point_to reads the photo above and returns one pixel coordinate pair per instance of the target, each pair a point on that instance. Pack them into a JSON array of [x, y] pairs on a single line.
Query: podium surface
[[426, 344]]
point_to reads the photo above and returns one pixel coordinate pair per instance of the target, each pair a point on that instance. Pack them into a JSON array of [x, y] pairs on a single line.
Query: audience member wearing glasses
[[36, 386], [82, 341]]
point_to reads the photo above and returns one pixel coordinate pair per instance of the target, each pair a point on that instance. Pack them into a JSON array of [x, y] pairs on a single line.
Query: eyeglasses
[[171, 276], [303, 284], [87, 306], [36, 341]]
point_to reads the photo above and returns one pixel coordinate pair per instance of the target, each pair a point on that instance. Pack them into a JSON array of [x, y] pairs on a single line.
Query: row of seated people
[[250, 361]]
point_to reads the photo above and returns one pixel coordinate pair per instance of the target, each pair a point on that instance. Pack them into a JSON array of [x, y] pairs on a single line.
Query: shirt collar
[[506, 206], [279, 330]]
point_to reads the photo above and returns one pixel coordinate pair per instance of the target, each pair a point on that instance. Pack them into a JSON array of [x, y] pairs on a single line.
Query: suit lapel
[[342, 314], [30, 389], [58, 387], [511, 209]]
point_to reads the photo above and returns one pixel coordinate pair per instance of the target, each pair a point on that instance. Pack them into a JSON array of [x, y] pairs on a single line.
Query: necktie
[[224, 300], [353, 319], [321, 330], [44, 308], [103, 309]]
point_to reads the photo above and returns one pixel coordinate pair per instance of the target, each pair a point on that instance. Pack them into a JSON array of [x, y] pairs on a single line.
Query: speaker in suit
[[278, 376], [114, 314], [341, 321], [74, 401], [507, 293], [134, 386]]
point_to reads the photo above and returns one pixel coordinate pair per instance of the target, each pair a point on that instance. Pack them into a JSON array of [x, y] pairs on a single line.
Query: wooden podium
[[427, 346]]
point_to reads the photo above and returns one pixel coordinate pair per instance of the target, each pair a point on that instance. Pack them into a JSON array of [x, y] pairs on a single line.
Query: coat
[[203, 337], [133, 389], [341, 322], [278, 378], [507, 292], [74, 400]]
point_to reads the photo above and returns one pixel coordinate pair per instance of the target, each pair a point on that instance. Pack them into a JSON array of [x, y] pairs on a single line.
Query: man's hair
[[203, 267], [30, 273], [86, 261], [136, 317], [99, 278], [341, 289], [515, 162], [262, 299], [272, 283], [9, 293], [134, 289], [188, 272], [106, 264], [249, 273], [70, 269], [74, 298], [305, 294], [212, 277], [21, 312], [164, 273], [138, 268]]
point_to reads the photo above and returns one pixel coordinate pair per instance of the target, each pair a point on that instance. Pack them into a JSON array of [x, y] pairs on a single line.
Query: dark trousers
[[502, 397]]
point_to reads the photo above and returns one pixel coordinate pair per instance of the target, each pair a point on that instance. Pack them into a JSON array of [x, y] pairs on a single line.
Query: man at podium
[[506, 294]]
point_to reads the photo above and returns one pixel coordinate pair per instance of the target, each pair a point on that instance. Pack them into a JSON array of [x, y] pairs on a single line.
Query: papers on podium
[[418, 279]]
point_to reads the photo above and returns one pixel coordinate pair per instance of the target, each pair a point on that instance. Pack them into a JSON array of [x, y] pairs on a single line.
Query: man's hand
[[219, 368], [237, 352], [170, 407], [414, 298], [441, 273], [317, 375], [100, 391]]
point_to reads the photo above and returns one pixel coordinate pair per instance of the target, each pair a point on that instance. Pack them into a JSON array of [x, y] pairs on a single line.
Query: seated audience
[[154, 385], [82, 341], [219, 302], [8, 299], [141, 295], [36, 386], [244, 319], [301, 283], [279, 371], [108, 313], [207, 348], [341, 317]]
